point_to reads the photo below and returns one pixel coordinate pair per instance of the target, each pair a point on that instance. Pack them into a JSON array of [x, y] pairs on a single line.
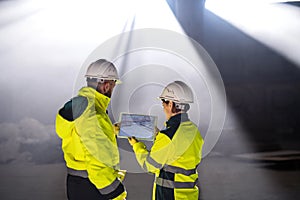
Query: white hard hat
[[102, 70], [177, 92]]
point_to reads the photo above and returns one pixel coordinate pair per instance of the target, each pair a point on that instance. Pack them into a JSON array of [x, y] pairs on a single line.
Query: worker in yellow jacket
[[176, 151], [88, 139]]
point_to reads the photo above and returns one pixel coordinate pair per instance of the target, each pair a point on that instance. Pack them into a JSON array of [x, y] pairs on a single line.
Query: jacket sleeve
[[154, 160], [62, 127], [67, 114]]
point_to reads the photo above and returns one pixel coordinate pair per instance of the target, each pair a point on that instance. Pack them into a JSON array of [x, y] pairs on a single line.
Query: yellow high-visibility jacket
[[173, 158], [88, 140]]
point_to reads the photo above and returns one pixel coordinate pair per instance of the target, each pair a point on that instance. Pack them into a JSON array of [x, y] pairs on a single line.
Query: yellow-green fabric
[[181, 150], [89, 142]]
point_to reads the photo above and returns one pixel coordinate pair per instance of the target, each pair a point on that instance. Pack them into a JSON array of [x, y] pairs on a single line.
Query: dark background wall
[[262, 87]]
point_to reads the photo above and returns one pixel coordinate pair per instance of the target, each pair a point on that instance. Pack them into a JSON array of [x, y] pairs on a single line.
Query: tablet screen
[[137, 125]]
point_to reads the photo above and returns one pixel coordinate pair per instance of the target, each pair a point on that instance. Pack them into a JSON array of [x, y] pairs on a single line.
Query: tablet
[[138, 125]]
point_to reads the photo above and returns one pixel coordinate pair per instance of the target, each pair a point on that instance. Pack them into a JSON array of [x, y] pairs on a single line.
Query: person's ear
[[170, 105], [106, 87]]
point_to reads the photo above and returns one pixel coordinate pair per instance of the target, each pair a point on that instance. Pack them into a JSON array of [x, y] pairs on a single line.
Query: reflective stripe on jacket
[[88, 140], [173, 158]]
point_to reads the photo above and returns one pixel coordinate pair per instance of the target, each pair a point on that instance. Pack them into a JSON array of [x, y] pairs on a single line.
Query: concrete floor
[[234, 178], [221, 177]]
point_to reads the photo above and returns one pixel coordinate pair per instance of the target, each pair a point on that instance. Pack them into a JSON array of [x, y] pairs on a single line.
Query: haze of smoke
[[29, 141]]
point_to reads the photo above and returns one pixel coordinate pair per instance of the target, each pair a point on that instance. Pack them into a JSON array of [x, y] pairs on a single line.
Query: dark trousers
[[79, 188]]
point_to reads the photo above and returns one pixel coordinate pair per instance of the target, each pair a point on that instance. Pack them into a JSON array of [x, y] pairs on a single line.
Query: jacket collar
[[101, 101], [177, 119]]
